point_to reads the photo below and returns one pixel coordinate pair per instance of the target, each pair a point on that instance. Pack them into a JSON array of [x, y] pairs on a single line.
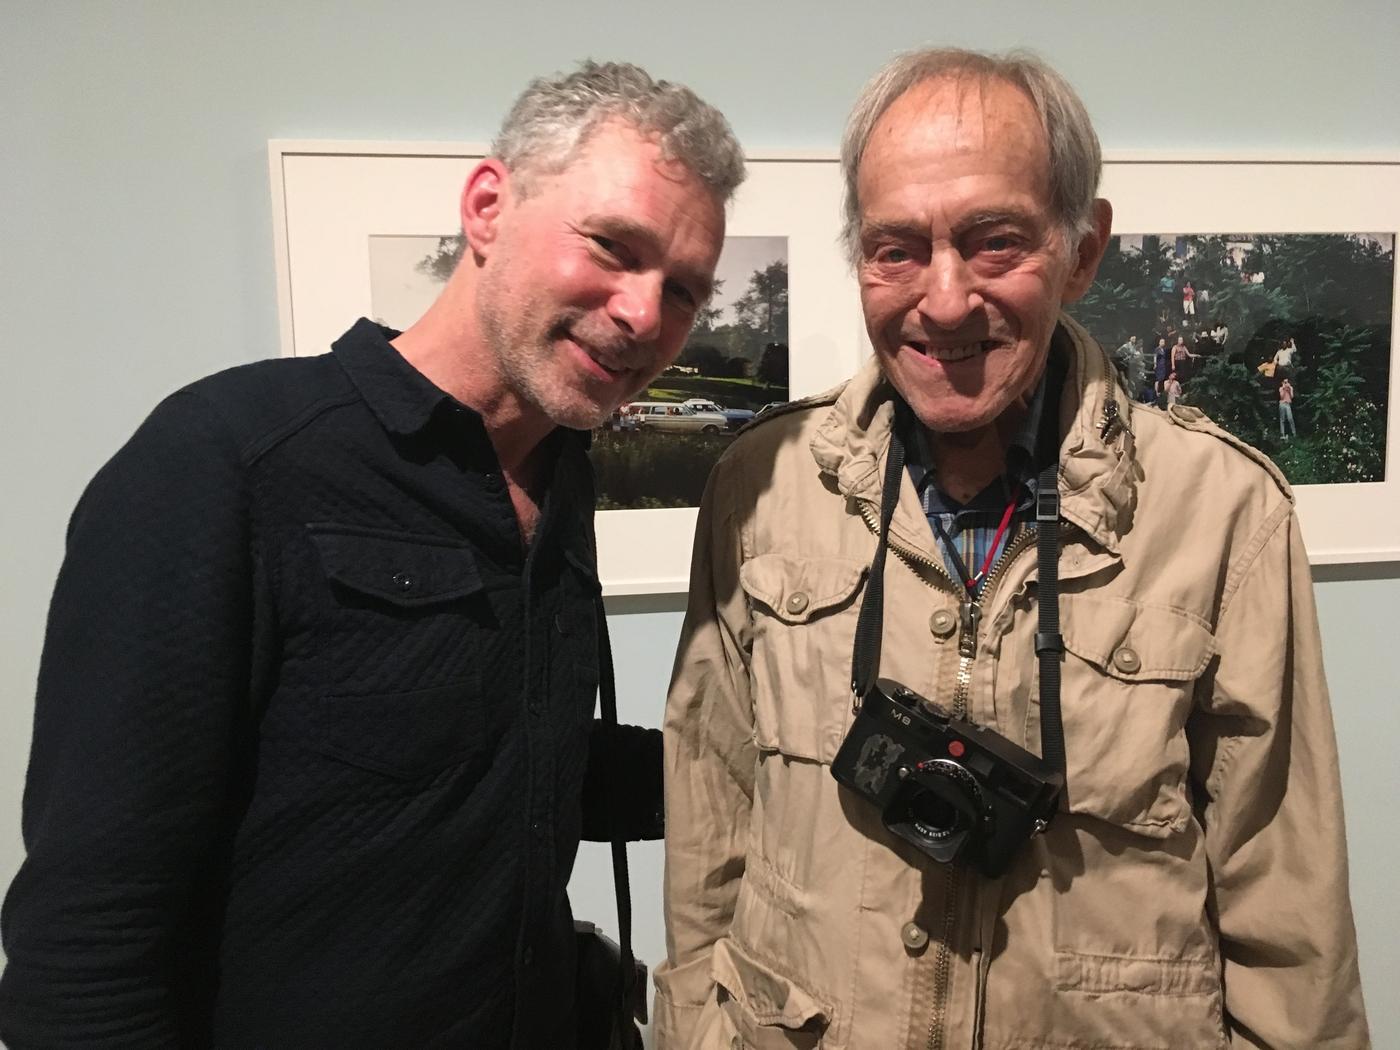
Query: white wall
[[136, 246]]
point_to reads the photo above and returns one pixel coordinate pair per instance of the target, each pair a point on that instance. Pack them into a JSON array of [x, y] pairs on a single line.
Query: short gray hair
[[554, 117], [1076, 161]]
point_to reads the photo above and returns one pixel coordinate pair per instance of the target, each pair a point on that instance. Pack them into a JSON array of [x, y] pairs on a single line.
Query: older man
[[1149, 855], [312, 743]]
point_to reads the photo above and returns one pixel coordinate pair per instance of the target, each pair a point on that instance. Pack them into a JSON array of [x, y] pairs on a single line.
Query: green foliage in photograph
[[639, 470]]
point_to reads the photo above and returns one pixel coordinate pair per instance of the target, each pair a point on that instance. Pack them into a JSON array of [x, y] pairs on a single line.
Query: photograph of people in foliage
[[1282, 339]]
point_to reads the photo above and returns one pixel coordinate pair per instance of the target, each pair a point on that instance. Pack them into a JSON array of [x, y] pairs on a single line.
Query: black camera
[[958, 792]]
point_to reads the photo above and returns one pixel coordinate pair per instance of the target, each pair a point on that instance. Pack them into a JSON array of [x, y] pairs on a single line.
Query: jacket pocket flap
[[767, 997], [797, 589], [1134, 642], [402, 569]]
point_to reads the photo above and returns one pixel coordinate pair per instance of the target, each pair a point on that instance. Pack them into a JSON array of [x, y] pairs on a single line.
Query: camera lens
[[931, 817], [938, 809]]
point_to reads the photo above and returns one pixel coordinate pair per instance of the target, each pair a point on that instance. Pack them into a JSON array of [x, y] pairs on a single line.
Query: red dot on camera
[[956, 748]]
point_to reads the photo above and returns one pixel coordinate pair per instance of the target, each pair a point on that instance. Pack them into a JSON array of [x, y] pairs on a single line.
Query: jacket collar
[[1097, 464]]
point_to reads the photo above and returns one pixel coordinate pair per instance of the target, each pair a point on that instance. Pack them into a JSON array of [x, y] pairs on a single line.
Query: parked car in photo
[[770, 406], [734, 417], [676, 418]]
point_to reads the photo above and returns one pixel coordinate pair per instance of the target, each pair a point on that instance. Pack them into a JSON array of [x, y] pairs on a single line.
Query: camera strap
[[870, 626], [1049, 644]]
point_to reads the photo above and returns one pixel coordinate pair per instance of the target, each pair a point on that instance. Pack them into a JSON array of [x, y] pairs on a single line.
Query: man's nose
[[635, 306], [950, 290]]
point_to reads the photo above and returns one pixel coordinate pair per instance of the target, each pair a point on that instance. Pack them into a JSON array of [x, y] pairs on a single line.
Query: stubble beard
[[529, 364]]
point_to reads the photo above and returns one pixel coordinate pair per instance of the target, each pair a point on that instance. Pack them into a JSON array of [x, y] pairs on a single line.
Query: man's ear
[[1089, 252], [485, 195]]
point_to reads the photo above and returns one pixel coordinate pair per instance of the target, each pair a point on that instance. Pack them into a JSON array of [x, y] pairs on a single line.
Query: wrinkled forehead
[[964, 121]]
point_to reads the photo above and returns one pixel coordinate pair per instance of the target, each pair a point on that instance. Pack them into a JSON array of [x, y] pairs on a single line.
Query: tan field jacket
[[1192, 892]]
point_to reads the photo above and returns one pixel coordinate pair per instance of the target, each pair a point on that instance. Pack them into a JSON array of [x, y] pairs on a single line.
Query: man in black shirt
[[313, 744]]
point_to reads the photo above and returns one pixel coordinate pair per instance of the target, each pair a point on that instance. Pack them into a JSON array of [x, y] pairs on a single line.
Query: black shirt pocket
[[401, 570], [406, 735]]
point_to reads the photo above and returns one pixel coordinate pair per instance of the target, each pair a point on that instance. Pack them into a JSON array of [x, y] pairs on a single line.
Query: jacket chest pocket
[[1126, 863], [390, 672], [804, 614], [1127, 684], [381, 610]]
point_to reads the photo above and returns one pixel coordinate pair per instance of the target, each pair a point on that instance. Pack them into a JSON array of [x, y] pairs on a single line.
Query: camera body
[[958, 792]]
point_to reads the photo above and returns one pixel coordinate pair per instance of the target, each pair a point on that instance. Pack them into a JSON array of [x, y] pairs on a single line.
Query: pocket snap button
[[942, 623], [796, 602], [914, 936], [1126, 660]]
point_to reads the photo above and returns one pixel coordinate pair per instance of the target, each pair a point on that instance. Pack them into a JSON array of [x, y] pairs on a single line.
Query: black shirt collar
[[400, 396]]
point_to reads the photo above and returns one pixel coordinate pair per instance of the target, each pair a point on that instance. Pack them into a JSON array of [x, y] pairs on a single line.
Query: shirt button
[[943, 623], [914, 936], [796, 602], [403, 581], [1126, 660]]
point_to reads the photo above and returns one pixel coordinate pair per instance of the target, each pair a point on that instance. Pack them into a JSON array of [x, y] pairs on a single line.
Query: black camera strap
[[1049, 645], [870, 626]]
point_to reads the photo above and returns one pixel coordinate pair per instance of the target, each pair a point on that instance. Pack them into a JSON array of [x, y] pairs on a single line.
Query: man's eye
[[681, 295], [892, 255], [998, 245], [607, 244]]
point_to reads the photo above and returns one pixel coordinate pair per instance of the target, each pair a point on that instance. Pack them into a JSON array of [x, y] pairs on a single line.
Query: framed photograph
[[1261, 290], [371, 229]]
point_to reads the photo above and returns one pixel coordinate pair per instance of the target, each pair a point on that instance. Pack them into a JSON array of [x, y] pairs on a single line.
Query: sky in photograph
[[400, 293]]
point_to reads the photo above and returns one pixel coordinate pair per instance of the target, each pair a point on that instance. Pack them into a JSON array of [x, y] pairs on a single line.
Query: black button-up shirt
[[312, 734]]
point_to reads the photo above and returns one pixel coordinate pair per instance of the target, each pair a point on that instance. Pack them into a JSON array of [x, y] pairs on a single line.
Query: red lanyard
[[996, 542], [971, 582]]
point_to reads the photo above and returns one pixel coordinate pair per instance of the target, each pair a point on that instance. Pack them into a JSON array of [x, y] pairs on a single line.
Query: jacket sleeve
[[622, 784], [710, 761], [1265, 767], [144, 673]]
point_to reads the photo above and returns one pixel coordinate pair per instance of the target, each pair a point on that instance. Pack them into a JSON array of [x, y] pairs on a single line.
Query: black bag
[[608, 1011], [610, 987]]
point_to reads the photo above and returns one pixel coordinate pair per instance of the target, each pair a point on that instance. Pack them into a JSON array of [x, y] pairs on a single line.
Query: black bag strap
[[622, 886], [865, 654]]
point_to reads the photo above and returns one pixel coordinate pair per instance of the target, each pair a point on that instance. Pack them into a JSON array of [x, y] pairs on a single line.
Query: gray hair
[[1076, 161], [554, 117]]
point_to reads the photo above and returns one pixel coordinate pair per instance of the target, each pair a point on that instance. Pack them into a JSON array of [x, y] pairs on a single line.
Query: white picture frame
[[330, 197], [1219, 193]]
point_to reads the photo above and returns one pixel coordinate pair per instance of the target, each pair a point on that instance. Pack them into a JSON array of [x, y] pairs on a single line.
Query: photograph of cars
[[680, 418]]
